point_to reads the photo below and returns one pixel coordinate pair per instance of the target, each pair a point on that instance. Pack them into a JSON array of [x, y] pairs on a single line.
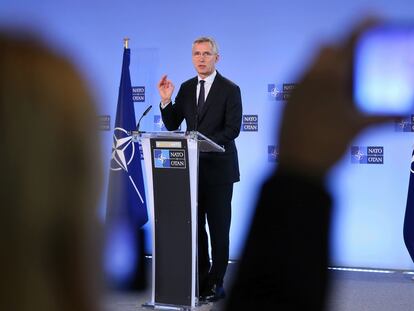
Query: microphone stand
[[145, 112]]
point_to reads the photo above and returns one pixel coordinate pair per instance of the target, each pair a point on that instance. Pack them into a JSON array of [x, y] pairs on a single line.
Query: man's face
[[204, 59]]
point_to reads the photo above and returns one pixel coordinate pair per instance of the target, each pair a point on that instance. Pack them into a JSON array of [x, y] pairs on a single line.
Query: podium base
[[157, 306]]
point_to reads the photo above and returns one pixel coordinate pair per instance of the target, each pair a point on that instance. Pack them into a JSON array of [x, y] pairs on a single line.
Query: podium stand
[[171, 167]]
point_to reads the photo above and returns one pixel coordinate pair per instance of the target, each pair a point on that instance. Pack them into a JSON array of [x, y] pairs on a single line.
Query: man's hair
[[209, 40]]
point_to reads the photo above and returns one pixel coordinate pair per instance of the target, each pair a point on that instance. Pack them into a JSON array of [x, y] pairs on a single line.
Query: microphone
[[145, 112]]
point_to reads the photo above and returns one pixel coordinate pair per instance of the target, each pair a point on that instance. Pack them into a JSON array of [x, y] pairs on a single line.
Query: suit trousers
[[214, 205]]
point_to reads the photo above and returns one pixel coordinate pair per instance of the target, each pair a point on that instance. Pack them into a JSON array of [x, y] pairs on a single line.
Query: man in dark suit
[[210, 104]]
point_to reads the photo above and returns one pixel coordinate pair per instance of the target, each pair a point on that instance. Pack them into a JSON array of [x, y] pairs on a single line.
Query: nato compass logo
[[367, 155], [273, 154], [275, 91], [405, 124], [412, 164], [250, 123], [166, 158], [123, 152], [138, 94], [159, 126], [281, 92]]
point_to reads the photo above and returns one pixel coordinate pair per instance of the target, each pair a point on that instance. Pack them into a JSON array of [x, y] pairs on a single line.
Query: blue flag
[[409, 214], [126, 193]]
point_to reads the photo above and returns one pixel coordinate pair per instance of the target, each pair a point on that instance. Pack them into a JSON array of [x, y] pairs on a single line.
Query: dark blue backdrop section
[[264, 44]]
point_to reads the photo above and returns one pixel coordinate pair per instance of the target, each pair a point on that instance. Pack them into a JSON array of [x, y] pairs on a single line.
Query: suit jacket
[[220, 121]]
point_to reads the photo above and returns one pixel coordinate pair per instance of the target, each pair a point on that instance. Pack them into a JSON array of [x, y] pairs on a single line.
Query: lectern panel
[[172, 219]]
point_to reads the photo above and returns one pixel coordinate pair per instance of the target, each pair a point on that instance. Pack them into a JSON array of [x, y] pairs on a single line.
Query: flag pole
[[126, 43]]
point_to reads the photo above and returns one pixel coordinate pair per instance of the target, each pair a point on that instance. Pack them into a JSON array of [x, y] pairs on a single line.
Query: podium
[[171, 168]]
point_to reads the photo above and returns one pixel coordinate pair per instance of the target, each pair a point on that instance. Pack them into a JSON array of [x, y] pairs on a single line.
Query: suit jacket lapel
[[194, 91], [192, 98], [210, 97]]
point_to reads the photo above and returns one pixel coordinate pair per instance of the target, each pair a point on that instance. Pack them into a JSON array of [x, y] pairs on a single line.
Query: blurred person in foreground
[[49, 189], [284, 266]]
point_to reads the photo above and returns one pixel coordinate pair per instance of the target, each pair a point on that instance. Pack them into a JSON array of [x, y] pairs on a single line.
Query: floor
[[350, 291]]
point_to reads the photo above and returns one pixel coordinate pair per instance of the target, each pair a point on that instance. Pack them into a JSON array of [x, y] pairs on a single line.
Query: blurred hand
[[320, 118], [165, 88]]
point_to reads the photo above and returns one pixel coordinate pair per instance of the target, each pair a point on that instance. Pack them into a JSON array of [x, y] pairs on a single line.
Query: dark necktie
[[201, 96]]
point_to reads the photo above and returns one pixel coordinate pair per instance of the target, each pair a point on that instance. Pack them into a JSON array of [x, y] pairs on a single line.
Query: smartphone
[[383, 73]]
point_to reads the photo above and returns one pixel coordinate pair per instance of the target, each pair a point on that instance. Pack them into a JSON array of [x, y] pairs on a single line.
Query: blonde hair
[[49, 189]]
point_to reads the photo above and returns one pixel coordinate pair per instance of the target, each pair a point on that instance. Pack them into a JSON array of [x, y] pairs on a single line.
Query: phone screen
[[384, 70]]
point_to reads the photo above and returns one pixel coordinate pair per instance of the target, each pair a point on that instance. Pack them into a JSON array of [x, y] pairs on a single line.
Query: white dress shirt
[[207, 86]]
